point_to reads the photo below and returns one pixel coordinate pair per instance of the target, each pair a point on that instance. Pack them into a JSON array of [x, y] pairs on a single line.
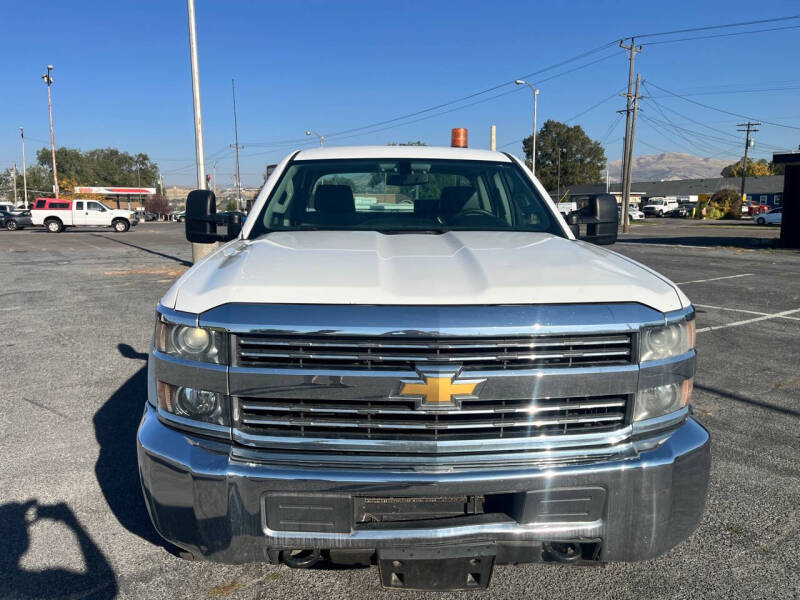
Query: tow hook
[[301, 558], [564, 552]]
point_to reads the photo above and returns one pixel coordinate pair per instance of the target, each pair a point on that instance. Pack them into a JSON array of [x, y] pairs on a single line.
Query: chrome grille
[[395, 418], [342, 352]]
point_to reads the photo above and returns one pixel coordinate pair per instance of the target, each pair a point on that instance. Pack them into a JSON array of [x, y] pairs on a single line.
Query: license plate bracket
[[448, 568]]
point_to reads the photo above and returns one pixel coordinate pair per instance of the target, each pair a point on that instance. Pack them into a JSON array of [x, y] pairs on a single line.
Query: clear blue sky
[[122, 74]]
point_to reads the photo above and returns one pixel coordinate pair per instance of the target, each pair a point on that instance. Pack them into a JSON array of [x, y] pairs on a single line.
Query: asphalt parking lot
[[77, 312]]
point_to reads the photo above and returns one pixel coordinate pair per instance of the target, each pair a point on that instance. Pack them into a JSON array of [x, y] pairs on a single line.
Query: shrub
[[728, 202]]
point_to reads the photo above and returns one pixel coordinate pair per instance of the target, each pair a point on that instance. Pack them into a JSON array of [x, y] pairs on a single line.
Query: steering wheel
[[475, 212]]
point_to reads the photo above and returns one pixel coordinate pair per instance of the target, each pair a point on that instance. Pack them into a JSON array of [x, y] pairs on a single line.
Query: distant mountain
[[669, 166]]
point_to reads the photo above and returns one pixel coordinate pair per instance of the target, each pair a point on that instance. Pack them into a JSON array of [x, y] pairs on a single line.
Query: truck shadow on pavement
[[117, 468], [748, 243], [185, 263], [16, 519]]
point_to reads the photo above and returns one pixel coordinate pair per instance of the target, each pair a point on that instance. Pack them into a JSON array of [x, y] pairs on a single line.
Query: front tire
[[121, 225], [54, 226], [11, 225], [761, 221]]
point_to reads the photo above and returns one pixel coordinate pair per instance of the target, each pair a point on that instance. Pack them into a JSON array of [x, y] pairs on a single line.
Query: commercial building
[[766, 191]]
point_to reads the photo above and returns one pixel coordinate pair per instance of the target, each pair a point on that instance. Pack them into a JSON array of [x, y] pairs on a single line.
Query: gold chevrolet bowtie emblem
[[439, 391]]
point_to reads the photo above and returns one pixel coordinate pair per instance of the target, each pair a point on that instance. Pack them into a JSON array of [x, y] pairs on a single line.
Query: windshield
[[404, 195]]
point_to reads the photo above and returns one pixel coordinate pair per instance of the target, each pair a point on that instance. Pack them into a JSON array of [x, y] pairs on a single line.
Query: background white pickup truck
[[57, 213]]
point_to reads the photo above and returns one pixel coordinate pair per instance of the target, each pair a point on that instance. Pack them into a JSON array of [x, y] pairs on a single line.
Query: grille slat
[[276, 406], [438, 423], [342, 352], [383, 416], [395, 418]]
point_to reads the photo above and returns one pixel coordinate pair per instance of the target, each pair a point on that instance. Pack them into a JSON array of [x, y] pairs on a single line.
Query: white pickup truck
[[58, 213], [438, 385], [658, 206]]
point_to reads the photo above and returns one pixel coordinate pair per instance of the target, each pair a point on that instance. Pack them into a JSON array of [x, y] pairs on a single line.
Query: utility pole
[[749, 128], [493, 138], [15, 185], [236, 147], [214, 168], [49, 81], [24, 169], [198, 250], [626, 196], [633, 49]]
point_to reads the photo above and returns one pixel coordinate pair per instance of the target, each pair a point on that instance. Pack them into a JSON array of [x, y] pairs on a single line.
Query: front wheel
[[11, 225], [660, 213], [120, 226], [761, 221]]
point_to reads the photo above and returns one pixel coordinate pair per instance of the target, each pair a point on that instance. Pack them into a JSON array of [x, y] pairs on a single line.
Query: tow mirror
[[201, 222], [596, 221]]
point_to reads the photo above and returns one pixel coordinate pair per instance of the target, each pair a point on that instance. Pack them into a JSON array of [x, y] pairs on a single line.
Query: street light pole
[[237, 147], [535, 103], [198, 250], [24, 169], [49, 81], [321, 137]]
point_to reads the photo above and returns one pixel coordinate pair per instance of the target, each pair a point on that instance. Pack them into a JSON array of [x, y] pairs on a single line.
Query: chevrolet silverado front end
[[405, 358]]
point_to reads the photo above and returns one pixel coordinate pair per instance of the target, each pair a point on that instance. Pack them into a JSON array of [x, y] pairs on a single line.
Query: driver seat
[[455, 198]]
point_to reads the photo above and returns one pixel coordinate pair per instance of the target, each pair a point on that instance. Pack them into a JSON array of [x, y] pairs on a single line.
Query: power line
[[342, 133], [593, 106], [463, 106], [719, 35], [738, 139], [745, 91], [707, 27], [727, 112], [701, 144], [611, 128]]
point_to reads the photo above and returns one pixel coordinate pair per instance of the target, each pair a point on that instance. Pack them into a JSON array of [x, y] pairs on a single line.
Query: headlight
[[191, 403], [193, 343], [666, 341], [662, 400]]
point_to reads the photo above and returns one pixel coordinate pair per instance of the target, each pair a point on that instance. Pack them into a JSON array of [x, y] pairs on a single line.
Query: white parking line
[[747, 321], [715, 278], [742, 310]]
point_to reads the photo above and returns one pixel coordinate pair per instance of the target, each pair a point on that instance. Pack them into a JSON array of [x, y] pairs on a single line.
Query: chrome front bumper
[[204, 500]]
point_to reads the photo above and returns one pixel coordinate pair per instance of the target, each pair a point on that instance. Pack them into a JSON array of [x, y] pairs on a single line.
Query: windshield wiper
[[436, 231]]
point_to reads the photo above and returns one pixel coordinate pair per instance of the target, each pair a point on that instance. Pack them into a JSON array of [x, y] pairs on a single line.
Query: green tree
[[755, 168], [582, 159], [100, 167]]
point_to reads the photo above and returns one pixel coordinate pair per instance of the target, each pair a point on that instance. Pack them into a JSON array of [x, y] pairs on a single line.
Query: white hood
[[465, 267]]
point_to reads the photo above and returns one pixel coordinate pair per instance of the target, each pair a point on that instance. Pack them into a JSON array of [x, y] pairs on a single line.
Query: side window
[[79, 206], [41, 203], [95, 206]]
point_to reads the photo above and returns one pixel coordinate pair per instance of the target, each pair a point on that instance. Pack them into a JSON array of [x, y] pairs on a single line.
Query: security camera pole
[[198, 250], [49, 81]]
